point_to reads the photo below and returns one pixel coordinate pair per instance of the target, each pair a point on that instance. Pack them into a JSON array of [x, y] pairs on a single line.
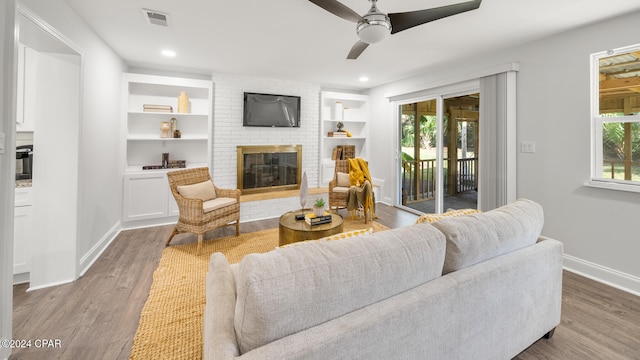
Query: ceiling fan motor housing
[[374, 27]]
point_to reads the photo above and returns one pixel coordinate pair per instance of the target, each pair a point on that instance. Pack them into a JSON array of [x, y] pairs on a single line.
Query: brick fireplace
[[267, 168]]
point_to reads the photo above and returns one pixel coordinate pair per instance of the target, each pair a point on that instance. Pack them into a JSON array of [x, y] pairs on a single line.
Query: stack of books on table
[[312, 219], [337, 134], [157, 108]]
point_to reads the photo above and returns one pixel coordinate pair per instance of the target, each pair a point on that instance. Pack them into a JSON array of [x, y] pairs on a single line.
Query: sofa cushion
[[477, 237], [291, 289], [450, 213], [203, 191]]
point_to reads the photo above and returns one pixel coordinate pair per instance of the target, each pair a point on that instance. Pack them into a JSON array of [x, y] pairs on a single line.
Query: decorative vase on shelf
[[174, 126], [183, 103], [164, 129], [338, 111]]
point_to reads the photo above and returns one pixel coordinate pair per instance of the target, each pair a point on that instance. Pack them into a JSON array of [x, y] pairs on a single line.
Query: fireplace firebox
[[267, 168]]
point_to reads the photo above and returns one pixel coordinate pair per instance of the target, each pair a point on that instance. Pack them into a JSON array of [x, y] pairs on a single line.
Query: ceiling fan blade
[[357, 49], [339, 9], [407, 20]]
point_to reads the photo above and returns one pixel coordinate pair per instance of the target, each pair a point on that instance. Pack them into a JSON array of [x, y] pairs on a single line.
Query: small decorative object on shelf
[[177, 134], [339, 126], [165, 160], [338, 111], [318, 207], [183, 103], [174, 126], [157, 108], [164, 129], [177, 164], [337, 134]]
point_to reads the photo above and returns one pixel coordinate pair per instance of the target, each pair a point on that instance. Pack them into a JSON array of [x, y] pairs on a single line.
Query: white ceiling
[[295, 39]]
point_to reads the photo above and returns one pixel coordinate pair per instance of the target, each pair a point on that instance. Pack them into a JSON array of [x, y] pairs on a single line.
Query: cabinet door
[[27, 85], [145, 196], [173, 206], [23, 232]]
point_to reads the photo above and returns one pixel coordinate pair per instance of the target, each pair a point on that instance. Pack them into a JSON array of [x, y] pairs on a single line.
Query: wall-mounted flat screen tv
[[267, 110]]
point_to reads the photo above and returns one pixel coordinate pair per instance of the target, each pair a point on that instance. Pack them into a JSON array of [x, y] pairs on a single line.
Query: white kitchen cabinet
[[26, 91], [22, 234], [353, 112]]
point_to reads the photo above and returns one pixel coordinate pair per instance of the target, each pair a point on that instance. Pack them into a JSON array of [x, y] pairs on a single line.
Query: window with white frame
[[616, 118]]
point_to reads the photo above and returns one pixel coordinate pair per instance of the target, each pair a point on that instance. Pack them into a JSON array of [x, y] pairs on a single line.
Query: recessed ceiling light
[[168, 53], [363, 78]]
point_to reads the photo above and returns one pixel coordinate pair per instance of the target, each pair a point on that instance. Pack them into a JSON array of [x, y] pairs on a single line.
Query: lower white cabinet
[[22, 231], [147, 196]]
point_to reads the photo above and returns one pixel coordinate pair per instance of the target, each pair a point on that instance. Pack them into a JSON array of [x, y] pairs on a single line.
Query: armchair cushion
[[203, 191], [341, 189], [343, 179], [217, 203]]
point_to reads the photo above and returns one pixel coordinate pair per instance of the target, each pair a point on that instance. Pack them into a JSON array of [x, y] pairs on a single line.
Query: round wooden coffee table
[[292, 230]]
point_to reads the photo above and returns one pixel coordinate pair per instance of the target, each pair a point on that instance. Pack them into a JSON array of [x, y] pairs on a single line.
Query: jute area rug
[[171, 321]]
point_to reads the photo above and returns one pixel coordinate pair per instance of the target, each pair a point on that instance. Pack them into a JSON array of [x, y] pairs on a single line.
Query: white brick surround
[[228, 133]]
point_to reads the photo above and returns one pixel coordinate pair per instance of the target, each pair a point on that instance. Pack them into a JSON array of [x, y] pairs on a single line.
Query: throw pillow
[[343, 179], [450, 213], [204, 191]]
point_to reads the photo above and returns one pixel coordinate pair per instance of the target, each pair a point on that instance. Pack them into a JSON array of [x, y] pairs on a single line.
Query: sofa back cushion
[[477, 237], [291, 289]]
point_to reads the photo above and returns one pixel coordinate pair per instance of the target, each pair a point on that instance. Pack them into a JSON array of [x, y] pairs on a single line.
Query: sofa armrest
[[219, 333]]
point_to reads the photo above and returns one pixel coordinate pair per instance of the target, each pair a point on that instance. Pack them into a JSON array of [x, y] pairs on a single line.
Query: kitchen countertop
[[23, 183]]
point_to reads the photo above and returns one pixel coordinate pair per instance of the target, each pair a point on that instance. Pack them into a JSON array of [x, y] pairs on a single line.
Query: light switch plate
[[528, 147], [3, 140]]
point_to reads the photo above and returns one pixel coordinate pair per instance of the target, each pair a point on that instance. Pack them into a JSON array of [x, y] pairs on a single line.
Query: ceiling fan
[[375, 26]]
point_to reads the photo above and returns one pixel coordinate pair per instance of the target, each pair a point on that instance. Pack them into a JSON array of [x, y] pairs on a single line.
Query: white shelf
[[156, 138], [151, 114], [345, 138]]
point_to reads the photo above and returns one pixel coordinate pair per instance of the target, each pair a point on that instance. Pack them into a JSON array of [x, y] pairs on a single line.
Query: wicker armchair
[[338, 194], [222, 211]]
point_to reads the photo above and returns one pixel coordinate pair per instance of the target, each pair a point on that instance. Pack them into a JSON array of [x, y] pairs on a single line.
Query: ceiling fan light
[[374, 28]]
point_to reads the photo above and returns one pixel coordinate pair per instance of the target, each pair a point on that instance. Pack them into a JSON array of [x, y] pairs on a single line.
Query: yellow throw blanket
[[359, 175], [359, 171]]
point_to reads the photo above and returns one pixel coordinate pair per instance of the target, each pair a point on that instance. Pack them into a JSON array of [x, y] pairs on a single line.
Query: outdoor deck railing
[[419, 181]]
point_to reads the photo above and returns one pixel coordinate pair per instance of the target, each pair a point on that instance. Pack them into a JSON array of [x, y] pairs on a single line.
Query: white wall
[[7, 184], [100, 151], [596, 226], [228, 133]]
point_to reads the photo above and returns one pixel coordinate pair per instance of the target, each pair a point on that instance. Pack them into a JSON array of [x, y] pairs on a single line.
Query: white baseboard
[[62, 282], [94, 253], [602, 274]]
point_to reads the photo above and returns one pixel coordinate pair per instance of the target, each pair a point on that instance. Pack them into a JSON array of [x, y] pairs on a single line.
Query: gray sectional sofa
[[479, 286]]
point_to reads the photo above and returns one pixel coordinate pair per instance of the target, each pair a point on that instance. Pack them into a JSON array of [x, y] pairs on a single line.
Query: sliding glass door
[[439, 148]]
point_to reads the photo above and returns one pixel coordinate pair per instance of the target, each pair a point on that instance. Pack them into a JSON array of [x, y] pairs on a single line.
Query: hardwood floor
[[97, 316]]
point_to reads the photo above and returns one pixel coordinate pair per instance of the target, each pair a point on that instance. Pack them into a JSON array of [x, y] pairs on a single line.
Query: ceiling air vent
[[156, 17]]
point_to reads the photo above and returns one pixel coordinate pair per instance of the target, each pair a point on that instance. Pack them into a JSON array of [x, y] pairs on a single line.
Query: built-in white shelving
[[147, 199], [144, 142], [353, 112]]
